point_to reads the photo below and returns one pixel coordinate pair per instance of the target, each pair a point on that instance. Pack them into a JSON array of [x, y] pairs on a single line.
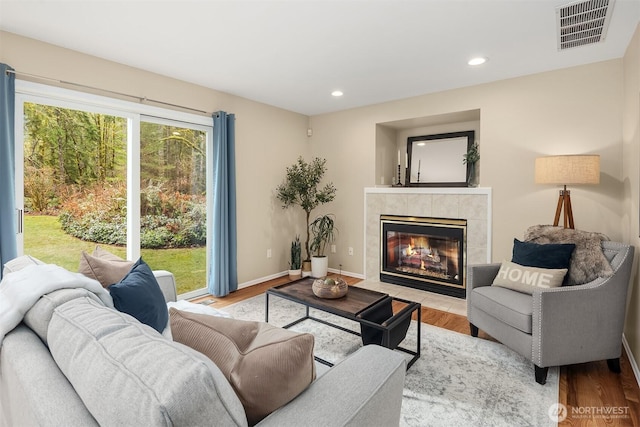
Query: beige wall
[[631, 168], [576, 110], [267, 140]]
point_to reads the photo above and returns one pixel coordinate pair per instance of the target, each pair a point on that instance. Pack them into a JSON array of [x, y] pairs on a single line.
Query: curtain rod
[[138, 98]]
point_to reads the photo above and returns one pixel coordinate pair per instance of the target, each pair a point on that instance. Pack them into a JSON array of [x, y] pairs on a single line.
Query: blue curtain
[[8, 247], [224, 263]]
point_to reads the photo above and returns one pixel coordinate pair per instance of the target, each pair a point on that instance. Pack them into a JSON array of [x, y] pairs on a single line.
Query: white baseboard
[[347, 273], [284, 273], [632, 360], [262, 279]]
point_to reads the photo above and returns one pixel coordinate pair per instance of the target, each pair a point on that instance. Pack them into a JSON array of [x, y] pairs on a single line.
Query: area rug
[[458, 380]]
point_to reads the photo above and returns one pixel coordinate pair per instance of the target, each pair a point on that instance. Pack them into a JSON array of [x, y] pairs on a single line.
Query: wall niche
[[392, 136]]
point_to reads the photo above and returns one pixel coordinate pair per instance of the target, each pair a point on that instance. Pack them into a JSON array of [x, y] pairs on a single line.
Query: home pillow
[[104, 266], [139, 295], [526, 279], [128, 375], [267, 366], [552, 255], [588, 262]]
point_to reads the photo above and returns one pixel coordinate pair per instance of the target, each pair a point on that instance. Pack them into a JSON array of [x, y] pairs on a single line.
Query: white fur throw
[[587, 262]]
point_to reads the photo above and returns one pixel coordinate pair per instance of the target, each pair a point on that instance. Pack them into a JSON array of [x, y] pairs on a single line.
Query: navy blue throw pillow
[[551, 255], [138, 294]]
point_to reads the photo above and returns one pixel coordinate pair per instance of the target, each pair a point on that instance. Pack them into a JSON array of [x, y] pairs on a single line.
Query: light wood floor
[[589, 390]]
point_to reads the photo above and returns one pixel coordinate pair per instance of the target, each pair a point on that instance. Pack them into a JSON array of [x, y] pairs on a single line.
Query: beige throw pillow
[[527, 279], [104, 266], [267, 366], [99, 252]]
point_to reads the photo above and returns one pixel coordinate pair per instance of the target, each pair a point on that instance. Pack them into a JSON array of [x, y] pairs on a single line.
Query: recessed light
[[337, 93], [478, 60]]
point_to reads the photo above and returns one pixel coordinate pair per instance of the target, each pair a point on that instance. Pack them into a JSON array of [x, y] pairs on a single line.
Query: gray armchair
[[556, 326]]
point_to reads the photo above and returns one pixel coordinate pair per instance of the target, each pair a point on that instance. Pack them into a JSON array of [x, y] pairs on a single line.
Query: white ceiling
[[294, 53]]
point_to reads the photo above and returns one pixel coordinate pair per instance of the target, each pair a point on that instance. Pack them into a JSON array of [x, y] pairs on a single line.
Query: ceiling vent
[[583, 23]]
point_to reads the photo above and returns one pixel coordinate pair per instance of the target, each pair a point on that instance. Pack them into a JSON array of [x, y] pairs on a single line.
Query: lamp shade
[[569, 169]]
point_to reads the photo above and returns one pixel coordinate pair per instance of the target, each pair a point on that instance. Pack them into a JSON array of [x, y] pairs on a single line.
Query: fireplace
[[424, 253]]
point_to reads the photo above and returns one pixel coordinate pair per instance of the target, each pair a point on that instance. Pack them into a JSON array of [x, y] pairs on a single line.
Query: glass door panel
[[74, 183], [173, 215]]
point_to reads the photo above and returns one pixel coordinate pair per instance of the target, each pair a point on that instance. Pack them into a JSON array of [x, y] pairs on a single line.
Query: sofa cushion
[[267, 366], [139, 295], [19, 263], [588, 261], [527, 279], [104, 266], [33, 390], [39, 315], [128, 374], [513, 308]]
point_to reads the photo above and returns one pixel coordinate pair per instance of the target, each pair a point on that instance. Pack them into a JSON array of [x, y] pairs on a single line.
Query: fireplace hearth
[[424, 253]]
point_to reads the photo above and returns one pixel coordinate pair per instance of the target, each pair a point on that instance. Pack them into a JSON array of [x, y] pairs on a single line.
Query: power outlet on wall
[[350, 251], [268, 253], [333, 249]]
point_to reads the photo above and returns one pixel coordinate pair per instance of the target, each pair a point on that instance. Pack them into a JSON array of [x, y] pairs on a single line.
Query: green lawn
[[45, 240]]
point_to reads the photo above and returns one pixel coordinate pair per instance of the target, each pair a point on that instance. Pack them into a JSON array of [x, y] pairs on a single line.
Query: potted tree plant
[[295, 265], [301, 187], [323, 230]]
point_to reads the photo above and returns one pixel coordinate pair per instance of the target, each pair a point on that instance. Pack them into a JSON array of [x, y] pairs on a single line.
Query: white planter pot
[[319, 266]]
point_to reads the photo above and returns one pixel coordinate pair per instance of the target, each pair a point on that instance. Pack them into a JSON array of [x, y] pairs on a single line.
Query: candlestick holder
[[398, 182]]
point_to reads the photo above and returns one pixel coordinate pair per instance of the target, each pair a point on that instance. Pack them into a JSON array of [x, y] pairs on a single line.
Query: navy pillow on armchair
[[552, 255], [138, 294]]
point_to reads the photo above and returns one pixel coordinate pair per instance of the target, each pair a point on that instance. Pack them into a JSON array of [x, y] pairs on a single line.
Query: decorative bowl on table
[[330, 288]]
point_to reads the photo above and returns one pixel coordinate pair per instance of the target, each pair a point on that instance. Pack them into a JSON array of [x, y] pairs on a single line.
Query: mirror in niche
[[437, 160]]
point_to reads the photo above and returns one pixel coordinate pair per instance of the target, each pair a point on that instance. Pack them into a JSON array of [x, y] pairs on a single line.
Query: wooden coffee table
[[352, 306]]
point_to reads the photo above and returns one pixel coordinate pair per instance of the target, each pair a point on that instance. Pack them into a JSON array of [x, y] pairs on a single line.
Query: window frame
[[134, 113]]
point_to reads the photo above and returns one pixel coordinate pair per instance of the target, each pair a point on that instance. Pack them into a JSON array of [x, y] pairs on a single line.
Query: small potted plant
[[470, 159], [324, 232], [295, 265]]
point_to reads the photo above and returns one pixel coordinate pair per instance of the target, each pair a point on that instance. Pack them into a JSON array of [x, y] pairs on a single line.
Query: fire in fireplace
[[424, 253]]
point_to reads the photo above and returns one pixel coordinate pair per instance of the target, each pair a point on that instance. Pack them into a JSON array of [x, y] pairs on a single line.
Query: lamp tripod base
[[564, 200]]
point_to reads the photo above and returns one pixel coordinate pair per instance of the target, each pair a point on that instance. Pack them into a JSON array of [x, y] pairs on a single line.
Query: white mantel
[[470, 203]]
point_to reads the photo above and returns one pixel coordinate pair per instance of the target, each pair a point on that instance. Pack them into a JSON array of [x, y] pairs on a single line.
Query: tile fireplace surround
[[472, 204]]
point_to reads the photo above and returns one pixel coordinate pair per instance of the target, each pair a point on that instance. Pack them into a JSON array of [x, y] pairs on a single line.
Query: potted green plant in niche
[[324, 232], [302, 187], [470, 159], [295, 264]]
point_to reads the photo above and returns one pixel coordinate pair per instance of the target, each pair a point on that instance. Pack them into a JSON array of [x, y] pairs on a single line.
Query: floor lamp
[[568, 169]]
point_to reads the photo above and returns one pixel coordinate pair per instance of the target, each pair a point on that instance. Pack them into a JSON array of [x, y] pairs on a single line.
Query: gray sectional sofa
[[75, 362]]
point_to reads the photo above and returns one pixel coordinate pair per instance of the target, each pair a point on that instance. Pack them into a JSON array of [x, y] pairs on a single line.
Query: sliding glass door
[[89, 174]]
